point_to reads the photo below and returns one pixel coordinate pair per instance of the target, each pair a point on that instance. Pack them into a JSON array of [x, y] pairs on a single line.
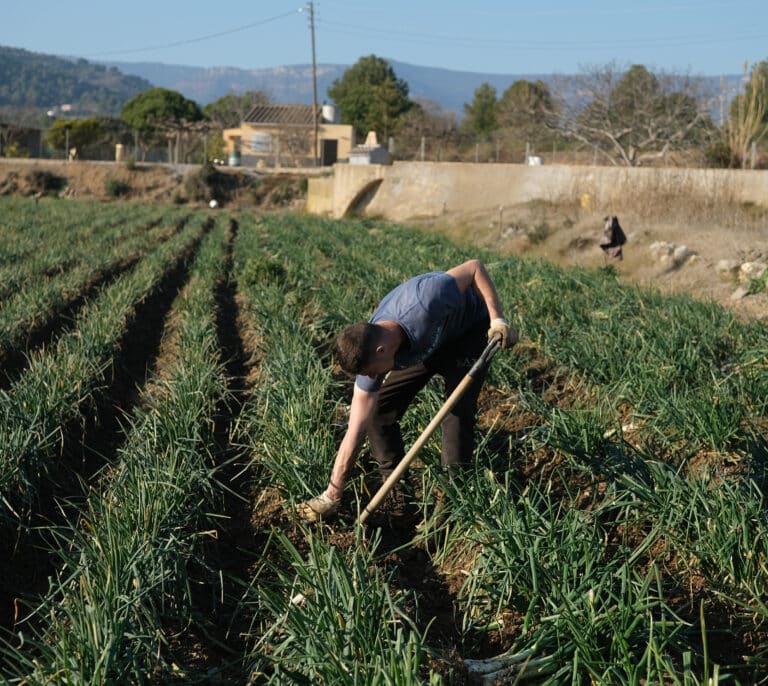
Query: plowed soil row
[[88, 444], [213, 646]]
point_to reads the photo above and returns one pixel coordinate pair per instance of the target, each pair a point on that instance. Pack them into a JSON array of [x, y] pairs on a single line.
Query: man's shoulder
[[426, 277], [418, 286]]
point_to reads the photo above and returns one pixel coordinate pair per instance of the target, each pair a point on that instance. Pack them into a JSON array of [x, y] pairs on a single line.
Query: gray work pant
[[452, 362]]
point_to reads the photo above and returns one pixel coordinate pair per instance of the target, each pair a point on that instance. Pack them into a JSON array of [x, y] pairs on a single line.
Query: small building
[[283, 136], [369, 152]]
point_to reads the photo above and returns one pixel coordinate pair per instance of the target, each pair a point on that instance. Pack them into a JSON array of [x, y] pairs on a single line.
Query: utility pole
[[311, 8], [722, 100]]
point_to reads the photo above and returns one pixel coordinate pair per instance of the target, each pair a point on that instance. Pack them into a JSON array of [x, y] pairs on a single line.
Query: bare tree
[[427, 130], [747, 118], [15, 125], [631, 116], [185, 139]]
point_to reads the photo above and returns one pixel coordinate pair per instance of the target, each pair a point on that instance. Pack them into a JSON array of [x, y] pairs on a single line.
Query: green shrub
[[15, 150], [43, 181], [759, 285], [283, 195], [115, 188], [209, 183], [720, 156], [256, 191]]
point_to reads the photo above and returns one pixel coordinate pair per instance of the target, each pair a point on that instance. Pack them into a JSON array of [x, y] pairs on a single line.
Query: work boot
[[317, 509], [394, 502], [399, 504]]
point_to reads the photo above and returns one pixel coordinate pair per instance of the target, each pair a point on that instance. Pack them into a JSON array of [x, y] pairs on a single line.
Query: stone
[[680, 254], [751, 270], [727, 267], [739, 293]]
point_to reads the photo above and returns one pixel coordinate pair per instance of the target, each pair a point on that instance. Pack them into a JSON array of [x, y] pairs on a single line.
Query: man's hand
[[319, 508], [501, 327]]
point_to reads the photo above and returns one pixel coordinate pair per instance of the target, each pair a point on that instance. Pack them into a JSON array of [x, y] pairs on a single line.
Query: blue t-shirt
[[432, 311]]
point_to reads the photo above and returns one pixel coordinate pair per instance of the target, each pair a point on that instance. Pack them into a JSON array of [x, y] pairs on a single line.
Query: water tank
[[329, 114]]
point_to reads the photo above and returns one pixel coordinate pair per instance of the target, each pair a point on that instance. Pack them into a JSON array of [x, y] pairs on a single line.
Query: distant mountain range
[[293, 84], [30, 79], [33, 80]]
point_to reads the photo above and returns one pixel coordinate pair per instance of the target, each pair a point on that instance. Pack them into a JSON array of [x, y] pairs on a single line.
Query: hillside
[[30, 79], [34, 80], [293, 83], [451, 89]]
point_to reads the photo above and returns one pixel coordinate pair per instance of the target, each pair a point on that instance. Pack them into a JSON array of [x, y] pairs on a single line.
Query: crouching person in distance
[[434, 323]]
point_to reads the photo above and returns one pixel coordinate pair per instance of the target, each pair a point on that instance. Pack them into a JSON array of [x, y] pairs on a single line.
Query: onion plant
[[586, 609], [123, 581], [38, 303], [332, 617], [61, 381], [628, 357], [71, 234]]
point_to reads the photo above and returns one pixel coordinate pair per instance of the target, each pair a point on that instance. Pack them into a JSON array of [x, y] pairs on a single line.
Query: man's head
[[361, 349]]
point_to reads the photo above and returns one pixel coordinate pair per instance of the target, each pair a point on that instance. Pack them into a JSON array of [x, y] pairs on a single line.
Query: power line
[[199, 39], [564, 45], [577, 9]]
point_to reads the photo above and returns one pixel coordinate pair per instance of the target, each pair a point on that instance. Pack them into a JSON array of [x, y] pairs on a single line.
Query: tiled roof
[[284, 115]]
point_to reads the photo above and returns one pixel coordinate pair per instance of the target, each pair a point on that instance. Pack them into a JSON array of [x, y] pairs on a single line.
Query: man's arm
[[361, 409], [473, 273]]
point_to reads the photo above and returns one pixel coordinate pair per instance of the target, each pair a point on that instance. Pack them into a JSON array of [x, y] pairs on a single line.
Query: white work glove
[[502, 328]]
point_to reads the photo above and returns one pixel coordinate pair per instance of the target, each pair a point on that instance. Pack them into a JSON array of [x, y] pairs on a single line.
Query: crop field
[[167, 396]]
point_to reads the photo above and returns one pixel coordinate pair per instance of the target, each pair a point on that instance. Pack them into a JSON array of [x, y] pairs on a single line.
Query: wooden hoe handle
[[482, 362]]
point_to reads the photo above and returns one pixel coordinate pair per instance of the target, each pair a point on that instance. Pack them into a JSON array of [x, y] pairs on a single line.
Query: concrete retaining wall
[[410, 190], [320, 195]]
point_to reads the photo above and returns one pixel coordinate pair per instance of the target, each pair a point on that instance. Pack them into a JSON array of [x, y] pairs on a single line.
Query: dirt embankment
[[180, 184], [567, 236]]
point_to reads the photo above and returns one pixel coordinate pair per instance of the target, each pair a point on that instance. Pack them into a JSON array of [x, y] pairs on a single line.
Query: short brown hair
[[355, 346]]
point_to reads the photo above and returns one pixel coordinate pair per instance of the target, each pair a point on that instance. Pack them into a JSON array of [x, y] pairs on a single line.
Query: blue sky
[[549, 36]]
